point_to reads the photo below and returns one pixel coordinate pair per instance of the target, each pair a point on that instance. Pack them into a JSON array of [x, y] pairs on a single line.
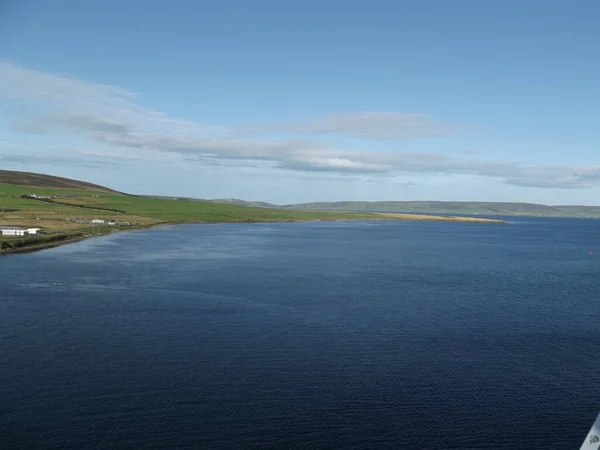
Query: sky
[[289, 101]]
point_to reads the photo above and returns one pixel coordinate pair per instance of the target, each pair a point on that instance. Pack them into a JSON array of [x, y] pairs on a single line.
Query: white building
[[17, 231], [97, 221], [12, 231]]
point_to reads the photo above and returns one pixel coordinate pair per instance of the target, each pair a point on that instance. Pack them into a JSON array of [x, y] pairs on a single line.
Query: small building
[[18, 231], [12, 231], [37, 197], [97, 221]]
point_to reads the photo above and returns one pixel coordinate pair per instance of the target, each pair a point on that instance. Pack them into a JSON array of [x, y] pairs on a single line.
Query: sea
[[322, 335]]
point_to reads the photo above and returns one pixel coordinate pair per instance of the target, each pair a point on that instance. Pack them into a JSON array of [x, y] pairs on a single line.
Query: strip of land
[[432, 218], [66, 211], [454, 208]]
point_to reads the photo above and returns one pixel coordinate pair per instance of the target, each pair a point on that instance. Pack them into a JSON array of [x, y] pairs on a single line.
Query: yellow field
[[400, 216]]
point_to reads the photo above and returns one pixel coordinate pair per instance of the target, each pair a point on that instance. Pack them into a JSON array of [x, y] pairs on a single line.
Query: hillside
[[47, 181], [67, 209], [430, 207], [236, 201], [229, 201], [470, 208]]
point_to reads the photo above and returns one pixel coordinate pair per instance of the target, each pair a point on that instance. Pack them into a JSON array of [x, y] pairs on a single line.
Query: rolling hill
[[470, 208], [436, 207], [47, 181], [236, 201], [69, 209]]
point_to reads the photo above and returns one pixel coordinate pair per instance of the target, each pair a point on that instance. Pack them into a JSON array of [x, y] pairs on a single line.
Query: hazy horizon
[[375, 101]]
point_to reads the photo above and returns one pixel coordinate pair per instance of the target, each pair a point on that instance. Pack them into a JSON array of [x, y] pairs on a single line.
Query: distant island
[[439, 207], [39, 211]]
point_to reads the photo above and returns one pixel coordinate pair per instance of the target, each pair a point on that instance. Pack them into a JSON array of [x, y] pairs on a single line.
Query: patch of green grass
[[174, 210]]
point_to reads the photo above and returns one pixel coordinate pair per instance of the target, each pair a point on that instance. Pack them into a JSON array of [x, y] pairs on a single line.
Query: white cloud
[[26, 84], [368, 125], [68, 99], [111, 116], [75, 161]]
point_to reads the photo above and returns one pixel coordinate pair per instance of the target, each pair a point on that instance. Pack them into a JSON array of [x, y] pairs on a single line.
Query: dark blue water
[[320, 335]]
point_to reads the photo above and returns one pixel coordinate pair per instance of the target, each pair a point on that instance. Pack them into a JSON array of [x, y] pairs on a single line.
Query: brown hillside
[[47, 181]]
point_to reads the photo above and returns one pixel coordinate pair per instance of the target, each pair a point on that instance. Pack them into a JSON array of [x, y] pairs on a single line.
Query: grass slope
[[237, 201], [50, 181]]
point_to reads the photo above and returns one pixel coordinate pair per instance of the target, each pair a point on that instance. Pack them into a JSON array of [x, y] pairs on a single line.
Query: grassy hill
[[484, 208], [236, 201], [48, 181], [69, 209], [439, 207]]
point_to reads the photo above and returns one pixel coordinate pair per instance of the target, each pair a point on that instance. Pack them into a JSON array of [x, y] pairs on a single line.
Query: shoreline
[[78, 237], [38, 248], [434, 218]]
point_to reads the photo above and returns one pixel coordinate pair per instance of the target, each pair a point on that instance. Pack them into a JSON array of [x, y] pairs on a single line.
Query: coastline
[[71, 239], [434, 218], [79, 237], [37, 248]]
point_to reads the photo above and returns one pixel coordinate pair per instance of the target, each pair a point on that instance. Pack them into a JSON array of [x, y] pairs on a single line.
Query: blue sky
[[307, 101]]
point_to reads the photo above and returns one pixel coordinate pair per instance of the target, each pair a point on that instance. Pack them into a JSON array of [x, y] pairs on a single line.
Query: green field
[[148, 209]]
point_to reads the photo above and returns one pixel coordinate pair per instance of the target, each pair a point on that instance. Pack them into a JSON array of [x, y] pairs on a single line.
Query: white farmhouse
[[17, 231], [12, 231]]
